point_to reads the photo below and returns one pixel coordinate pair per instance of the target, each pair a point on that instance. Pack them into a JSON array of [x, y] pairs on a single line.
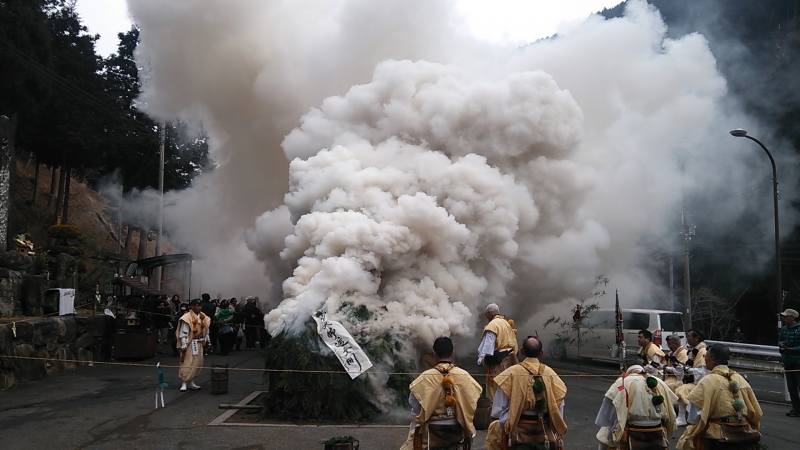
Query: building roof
[[137, 285], [145, 267]]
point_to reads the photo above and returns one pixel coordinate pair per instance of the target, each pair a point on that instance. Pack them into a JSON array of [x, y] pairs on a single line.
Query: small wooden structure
[[219, 378]]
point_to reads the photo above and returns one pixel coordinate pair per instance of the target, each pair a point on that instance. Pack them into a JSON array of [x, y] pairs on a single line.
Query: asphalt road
[[112, 406]]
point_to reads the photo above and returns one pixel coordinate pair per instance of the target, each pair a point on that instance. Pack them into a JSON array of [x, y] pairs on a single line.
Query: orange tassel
[[447, 382], [449, 401], [511, 322]]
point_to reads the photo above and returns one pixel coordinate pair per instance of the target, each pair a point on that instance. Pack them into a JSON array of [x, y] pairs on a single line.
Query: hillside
[[88, 210]]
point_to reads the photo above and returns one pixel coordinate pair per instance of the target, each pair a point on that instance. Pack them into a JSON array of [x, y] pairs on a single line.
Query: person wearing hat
[[789, 344], [192, 336]]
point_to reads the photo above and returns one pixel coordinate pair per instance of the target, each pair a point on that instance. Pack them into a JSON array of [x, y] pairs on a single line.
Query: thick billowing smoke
[[403, 213], [431, 174]]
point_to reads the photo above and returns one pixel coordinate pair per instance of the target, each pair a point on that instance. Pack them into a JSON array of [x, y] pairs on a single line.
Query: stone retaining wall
[[56, 341]]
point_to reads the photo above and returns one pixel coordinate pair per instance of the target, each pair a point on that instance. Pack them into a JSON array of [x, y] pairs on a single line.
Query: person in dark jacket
[[252, 320], [226, 334], [161, 319], [789, 345], [238, 321]]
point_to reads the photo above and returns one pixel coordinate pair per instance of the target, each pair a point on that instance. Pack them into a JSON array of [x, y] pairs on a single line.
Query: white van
[[602, 339]]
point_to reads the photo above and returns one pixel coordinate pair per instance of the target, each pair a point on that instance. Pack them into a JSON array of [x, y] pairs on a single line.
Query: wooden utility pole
[[157, 272], [687, 232]]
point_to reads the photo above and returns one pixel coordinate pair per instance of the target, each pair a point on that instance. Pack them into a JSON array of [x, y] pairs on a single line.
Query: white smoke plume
[[430, 173]]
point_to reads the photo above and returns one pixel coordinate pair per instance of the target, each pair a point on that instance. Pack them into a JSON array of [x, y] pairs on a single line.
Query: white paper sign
[[195, 347], [336, 337], [66, 301]]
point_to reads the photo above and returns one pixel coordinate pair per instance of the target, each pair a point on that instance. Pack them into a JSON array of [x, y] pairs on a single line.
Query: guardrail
[[750, 349], [755, 364]]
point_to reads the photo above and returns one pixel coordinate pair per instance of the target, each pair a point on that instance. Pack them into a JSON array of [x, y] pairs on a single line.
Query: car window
[[671, 322], [600, 319], [635, 321]]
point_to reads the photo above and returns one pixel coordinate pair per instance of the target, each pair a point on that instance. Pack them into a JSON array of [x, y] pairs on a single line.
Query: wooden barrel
[[219, 378], [483, 414]]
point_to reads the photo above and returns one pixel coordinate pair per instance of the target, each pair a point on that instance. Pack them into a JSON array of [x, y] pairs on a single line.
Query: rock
[[45, 331], [69, 331], [15, 261], [64, 266], [8, 379], [34, 287], [28, 369], [85, 357], [11, 290], [51, 301], [84, 341], [66, 358], [82, 322], [102, 349], [61, 327], [24, 332], [6, 338], [12, 274], [98, 324]]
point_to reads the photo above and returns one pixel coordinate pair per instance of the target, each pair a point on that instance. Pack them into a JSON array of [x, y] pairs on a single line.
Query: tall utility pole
[[671, 285], [119, 219], [687, 231], [157, 272]]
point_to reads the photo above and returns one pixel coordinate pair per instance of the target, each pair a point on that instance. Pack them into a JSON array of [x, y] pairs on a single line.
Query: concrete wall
[[55, 342]]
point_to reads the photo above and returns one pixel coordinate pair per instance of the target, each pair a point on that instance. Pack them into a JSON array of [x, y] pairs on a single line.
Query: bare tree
[[577, 330], [715, 315]]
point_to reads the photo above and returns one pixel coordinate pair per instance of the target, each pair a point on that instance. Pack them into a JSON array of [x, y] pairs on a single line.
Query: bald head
[[532, 347]]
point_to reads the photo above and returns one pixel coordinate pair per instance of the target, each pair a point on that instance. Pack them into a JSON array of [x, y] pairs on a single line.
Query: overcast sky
[[513, 21]]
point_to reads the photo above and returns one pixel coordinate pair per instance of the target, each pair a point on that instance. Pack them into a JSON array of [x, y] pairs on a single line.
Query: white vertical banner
[[66, 301], [336, 337]]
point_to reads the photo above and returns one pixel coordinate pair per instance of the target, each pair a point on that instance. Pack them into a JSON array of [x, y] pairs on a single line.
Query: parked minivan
[[602, 339]]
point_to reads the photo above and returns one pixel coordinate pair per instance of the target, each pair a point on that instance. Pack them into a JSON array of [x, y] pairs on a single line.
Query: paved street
[[112, 406]]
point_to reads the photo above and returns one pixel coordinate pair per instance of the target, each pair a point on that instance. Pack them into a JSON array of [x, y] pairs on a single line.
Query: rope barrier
[[242, 369], [28, 319]]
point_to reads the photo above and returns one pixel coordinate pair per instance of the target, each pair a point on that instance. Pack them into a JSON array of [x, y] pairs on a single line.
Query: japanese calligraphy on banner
[[336, 337]]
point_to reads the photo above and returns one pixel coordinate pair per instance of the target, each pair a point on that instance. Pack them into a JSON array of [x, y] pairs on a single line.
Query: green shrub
[[325, 394], [64, 231]]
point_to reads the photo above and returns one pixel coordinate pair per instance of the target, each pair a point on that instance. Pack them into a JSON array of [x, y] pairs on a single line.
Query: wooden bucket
[[483, 414], [219, 379]]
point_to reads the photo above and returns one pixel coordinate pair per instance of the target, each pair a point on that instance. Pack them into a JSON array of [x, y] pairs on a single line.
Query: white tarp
[[336, 337], [66, 301]]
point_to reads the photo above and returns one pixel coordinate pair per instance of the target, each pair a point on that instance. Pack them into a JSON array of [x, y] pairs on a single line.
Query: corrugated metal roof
[[146, 266]]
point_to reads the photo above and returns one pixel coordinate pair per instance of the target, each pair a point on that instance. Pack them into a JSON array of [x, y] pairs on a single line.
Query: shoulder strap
[[444, 371]]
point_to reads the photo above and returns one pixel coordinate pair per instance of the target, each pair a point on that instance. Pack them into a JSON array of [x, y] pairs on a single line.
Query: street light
[[742, 133]]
